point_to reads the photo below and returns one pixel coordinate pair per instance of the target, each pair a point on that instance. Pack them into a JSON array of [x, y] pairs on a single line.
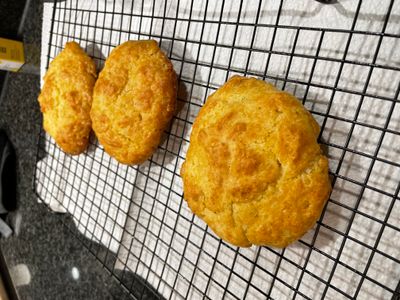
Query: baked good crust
[[134, 100], [254, 171], [66, 98]]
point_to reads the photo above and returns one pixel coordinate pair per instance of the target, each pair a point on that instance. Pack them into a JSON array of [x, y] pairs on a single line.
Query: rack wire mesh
[[347, 74]]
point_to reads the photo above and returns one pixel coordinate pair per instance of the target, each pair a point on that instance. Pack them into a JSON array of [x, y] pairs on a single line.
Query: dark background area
[[10, 18]]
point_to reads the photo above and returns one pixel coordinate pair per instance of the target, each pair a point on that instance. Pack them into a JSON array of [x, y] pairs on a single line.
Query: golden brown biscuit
[[254, 171], [133, 101], [66, 98]]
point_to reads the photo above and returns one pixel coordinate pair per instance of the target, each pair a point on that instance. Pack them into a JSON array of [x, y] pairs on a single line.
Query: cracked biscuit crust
[[66, 98], [134, 99], [254, 171]]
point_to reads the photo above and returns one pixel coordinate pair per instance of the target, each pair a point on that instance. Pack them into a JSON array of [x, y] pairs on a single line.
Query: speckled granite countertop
[[44, 259]]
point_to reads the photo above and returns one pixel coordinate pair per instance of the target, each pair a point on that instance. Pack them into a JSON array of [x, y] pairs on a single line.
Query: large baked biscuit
[[66, 98], [254, 171], [133, 101]]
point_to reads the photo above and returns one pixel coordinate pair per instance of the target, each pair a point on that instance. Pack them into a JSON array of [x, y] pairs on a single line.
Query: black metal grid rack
[[347, 76]]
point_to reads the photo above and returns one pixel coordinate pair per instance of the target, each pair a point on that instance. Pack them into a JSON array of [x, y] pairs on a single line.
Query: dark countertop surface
[[44, 258]]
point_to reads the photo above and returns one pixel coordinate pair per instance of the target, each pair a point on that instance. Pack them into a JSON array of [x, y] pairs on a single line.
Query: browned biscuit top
[[254, 171], [134, 100], [66, 98]]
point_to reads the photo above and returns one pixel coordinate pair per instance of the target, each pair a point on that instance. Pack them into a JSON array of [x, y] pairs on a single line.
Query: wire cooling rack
[[342, 60]]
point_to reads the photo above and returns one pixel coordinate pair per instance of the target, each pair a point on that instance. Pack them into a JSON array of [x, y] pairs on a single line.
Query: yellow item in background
[[11, 55]]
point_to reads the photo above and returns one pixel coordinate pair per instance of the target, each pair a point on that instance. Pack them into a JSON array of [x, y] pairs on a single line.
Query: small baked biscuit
[[254, 171], [66, 98], [133, 101]]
